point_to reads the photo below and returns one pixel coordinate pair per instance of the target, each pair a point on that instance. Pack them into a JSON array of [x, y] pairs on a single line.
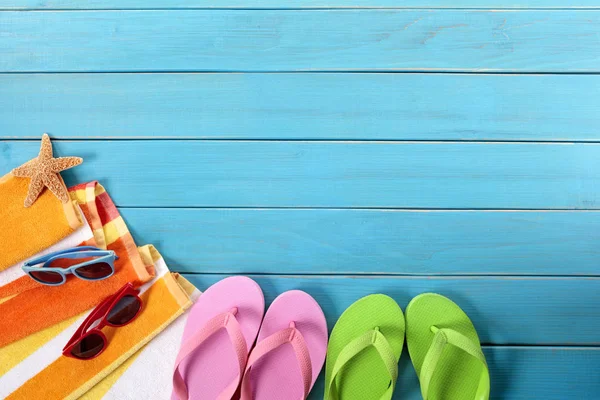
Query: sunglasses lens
[[124, 310], [47, 276], [98, 270], [88, 347]]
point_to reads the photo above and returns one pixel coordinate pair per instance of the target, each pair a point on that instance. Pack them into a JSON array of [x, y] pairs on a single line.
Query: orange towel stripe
[[160, 308], [32, 229]]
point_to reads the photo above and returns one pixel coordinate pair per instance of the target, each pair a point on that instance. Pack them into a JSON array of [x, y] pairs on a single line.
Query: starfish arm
[[26, 170], [63, 163], [56, 186], [35, 188], [46, 148]]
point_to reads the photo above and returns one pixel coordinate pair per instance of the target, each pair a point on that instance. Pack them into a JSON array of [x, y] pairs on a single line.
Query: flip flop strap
[[442, 338], [377, 340], [289, 335], [225, 320]]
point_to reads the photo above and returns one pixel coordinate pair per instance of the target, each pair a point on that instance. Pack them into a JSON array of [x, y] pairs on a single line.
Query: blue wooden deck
[[344, 148]]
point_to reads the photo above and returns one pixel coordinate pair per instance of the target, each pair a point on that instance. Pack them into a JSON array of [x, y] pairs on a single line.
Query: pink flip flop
[[290, 350], [217, 338]]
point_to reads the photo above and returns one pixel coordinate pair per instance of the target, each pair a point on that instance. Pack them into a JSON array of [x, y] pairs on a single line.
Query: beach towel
[[27, 307], [47, 374]]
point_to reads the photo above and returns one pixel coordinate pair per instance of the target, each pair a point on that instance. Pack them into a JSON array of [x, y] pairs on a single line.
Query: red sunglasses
[[117, 310]]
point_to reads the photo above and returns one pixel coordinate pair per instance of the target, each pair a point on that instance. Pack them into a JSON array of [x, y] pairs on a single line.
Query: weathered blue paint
[[282, 40], [289, 4], [182, 173], [310, 241], [336, 106]]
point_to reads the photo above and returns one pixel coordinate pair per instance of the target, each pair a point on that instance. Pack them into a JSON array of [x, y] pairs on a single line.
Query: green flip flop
[[364, 349], [445, 350]]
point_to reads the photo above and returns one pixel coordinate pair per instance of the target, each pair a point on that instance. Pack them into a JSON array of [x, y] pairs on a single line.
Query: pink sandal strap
[[289, 335], [225, 320]]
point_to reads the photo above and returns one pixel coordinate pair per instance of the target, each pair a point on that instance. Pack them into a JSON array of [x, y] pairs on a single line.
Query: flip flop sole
[[365, 376], [457, 374], [277, 375], [213, 365]]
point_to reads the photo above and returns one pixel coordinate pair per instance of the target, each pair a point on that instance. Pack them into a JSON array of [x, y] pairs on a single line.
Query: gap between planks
[[324, 141], [312, 8], [428, 71], [373, 209], [266, 140], [404, 276]]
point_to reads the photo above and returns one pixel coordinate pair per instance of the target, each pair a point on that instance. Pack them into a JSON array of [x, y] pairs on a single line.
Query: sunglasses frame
[[107, 256], [101, 313]]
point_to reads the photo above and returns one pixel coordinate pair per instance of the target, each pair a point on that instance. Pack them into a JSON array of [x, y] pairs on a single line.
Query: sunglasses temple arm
[[54, 254], [38, 260], [78, 333], [97, 313]]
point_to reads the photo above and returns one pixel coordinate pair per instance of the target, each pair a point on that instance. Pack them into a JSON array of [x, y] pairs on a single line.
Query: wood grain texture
[[325, 181], [302, 106], [505, 310], [272, 40], [289, 4], [332, 174], [372, 241]]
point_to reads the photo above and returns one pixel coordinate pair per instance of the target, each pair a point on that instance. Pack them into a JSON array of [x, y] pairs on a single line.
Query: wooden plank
[[332, 174], [505, 310], [372, 241], [517, 373], [302, 106], [317, 40], [289, 4]]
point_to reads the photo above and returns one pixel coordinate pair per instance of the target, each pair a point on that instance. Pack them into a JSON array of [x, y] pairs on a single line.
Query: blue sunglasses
[[100, 267]]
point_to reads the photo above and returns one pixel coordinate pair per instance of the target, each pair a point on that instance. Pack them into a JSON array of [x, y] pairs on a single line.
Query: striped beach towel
[[35, 306], [32, 366]]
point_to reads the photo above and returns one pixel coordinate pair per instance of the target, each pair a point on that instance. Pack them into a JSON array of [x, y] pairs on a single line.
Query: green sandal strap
[[442, 338], [370, 338]]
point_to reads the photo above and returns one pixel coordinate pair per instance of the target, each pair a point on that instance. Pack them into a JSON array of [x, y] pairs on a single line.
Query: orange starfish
[[44, 171]]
